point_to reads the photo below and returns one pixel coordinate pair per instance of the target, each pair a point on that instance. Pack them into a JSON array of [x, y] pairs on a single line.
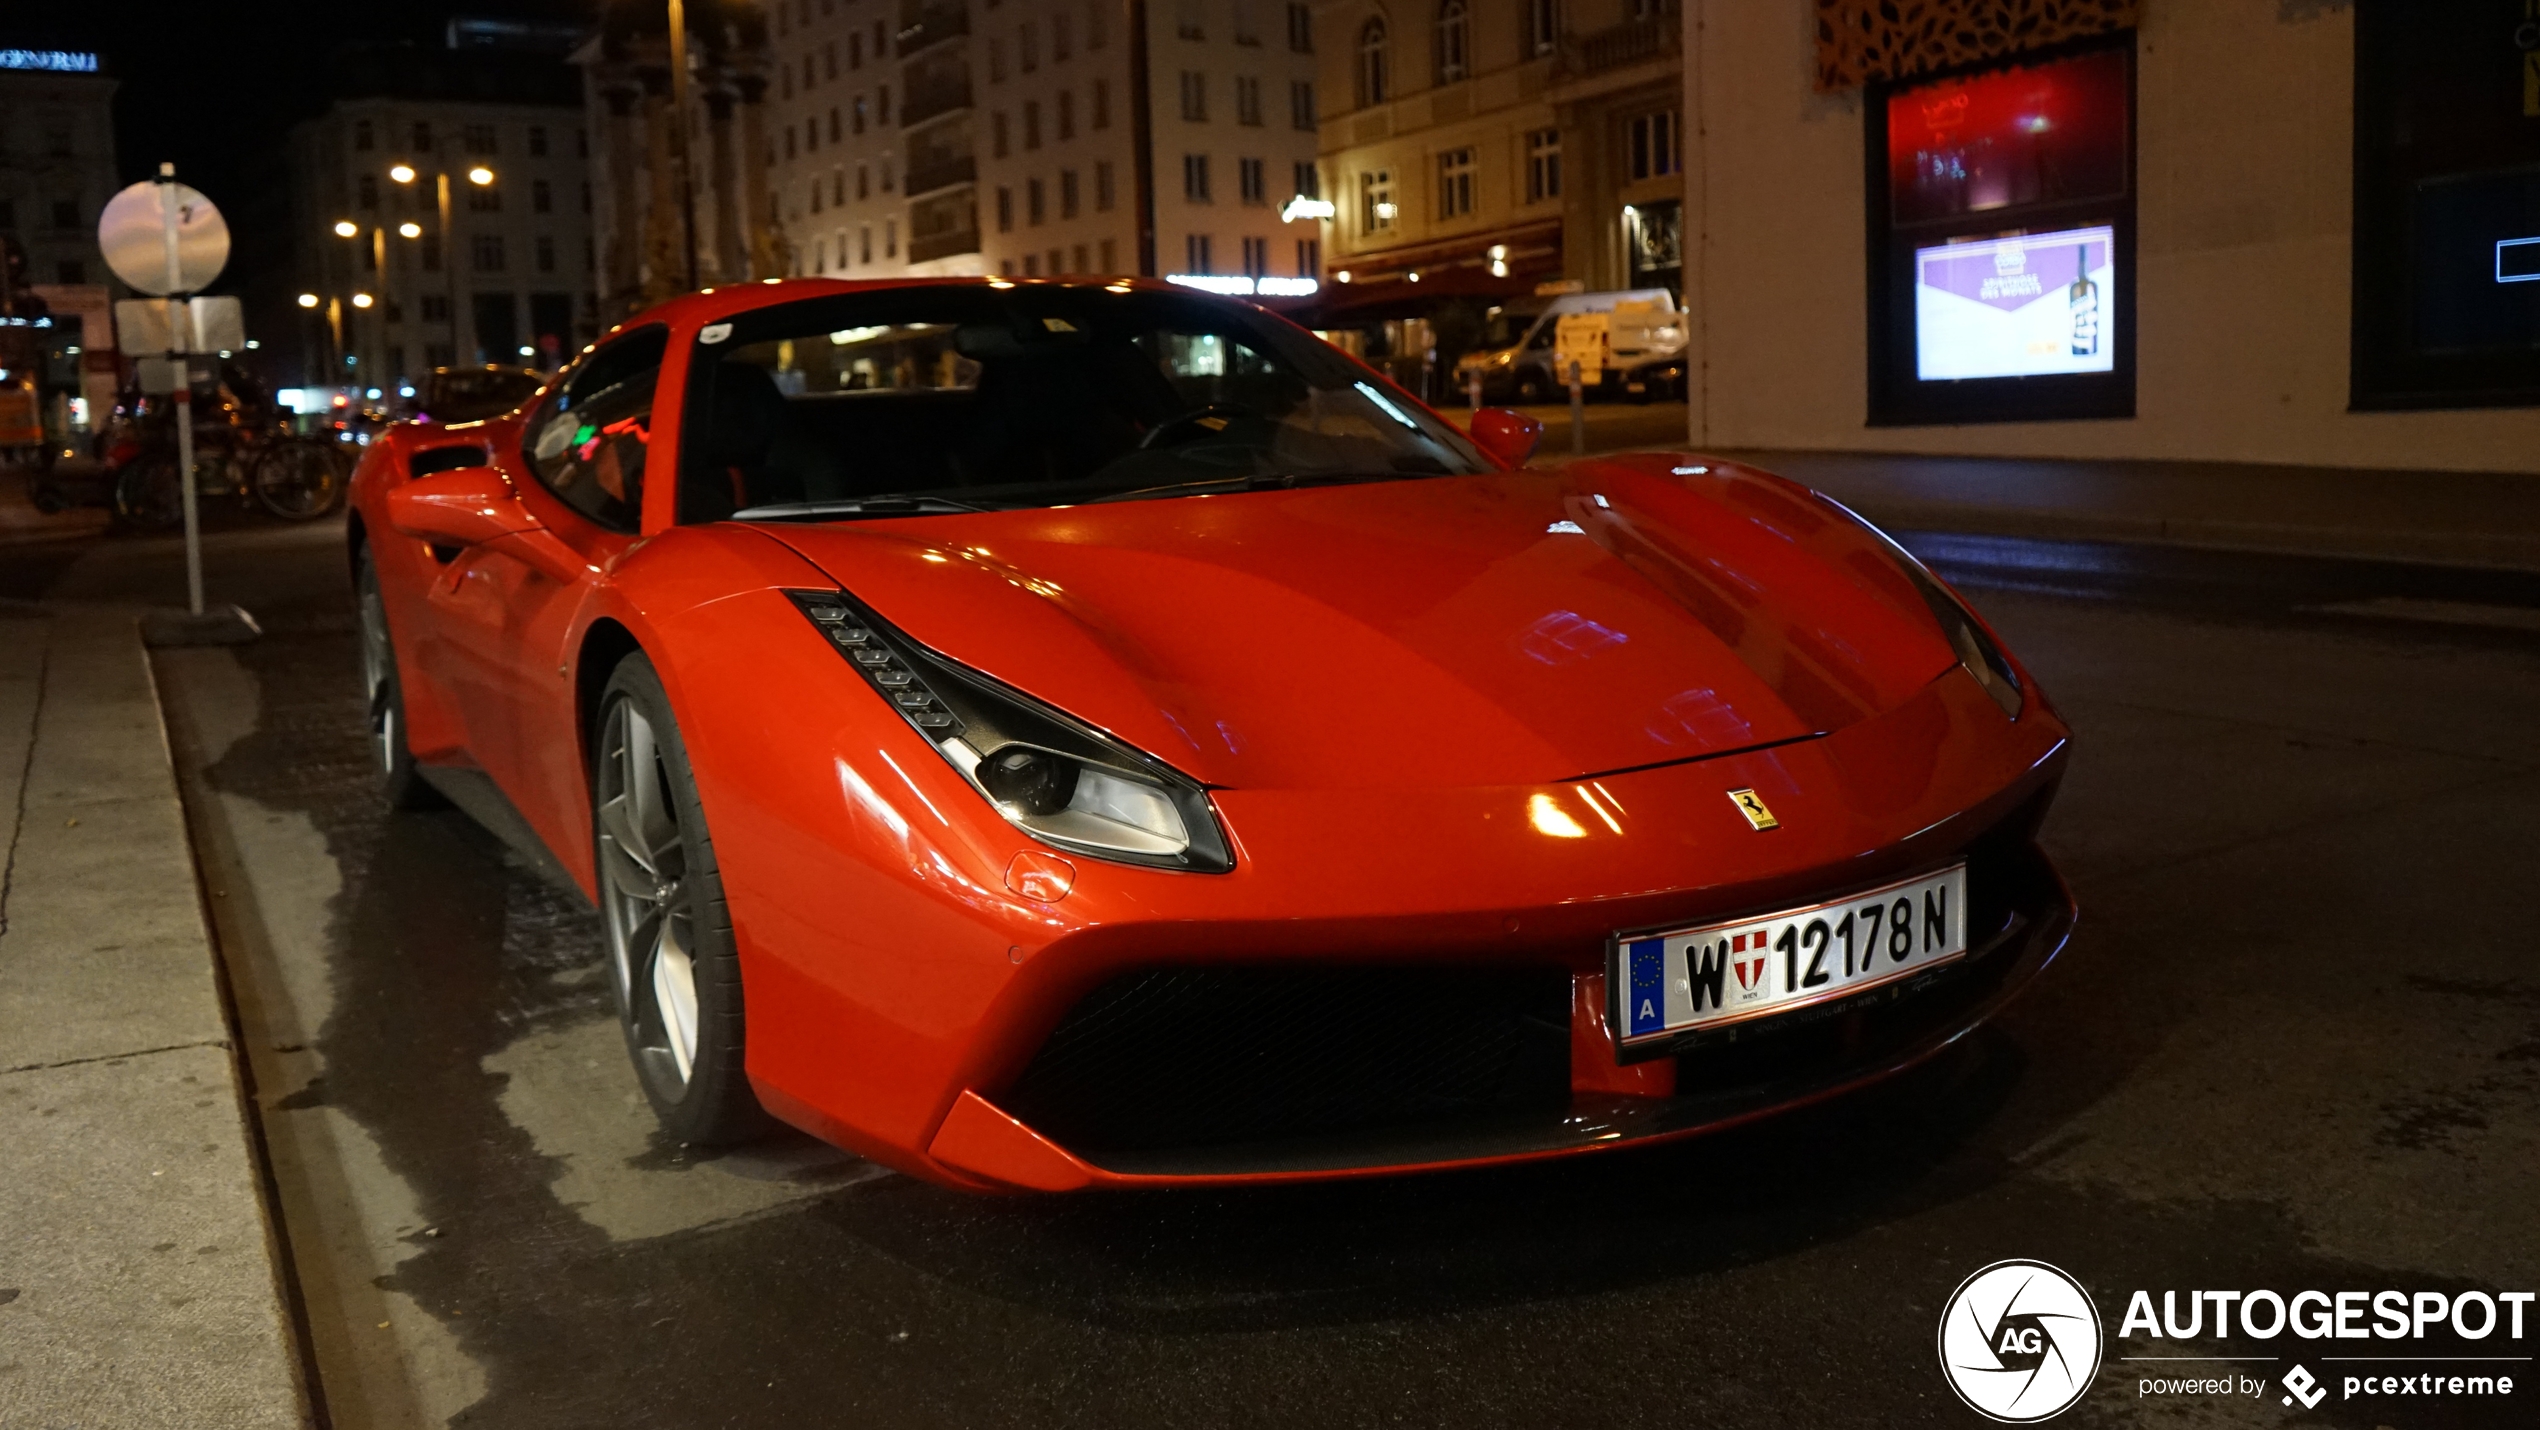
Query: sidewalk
[[136, 1273], [2447, 518]]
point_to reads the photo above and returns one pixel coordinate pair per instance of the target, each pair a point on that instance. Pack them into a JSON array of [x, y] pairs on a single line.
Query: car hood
[[1521, 628]]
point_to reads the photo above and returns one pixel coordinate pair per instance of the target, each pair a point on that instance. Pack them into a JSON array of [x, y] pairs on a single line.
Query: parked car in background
[[1635, 348]]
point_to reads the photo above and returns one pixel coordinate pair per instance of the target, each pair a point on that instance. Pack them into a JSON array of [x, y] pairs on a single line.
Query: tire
[[668, 931], [1530, 389], [297, 481], [400, 783], [147, 496]]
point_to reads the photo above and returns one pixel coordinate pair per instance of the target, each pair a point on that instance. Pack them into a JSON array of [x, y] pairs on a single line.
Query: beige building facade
[[2249, 216]]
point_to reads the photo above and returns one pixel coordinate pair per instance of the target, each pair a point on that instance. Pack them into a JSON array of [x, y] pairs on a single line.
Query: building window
[[1247, 23], [1256, 257], [1309, 257], [542, 197], [362, 135], [864, 180], [423, 136], [484, 199], [1543, 27], [1035, 207], [1543, 165], [486, 252], [1375, 201], [829, 60], [890, 238], [1068, 197], [436, 308], [1062, 40], [537, 141], [1455, 183], [1110, 256], [430, 259], [1102, 104], [1067, 114], [1372, 64], [886, 174], [1186, 20], [1309, 181], [1300, 28], [1195, 96], [855, 50], [855, 114], [1195, 178], [1249, 180], [1027, 48], [2001, 238], [1005, 209], [1301, 105], [1195, 252], [546, 254], [1455, 41], [1654, 152], [1102, 188], [1247, 99], [366, 193], [478, 138], [1031, 124], [1097, 32], [996, 135], [833, 124], [1031, 265], [882, 105]]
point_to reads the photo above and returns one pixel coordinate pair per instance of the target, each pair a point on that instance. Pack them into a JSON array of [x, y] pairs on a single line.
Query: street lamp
[[402, 173], [308, 300], [346, 228], [361, 300], [480, 176], [410, 229]]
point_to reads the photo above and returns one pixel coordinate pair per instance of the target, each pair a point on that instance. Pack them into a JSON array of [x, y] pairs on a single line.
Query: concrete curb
[[137, 1280]]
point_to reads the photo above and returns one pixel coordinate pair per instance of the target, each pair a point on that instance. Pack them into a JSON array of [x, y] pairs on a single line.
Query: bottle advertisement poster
[[2030, 305]]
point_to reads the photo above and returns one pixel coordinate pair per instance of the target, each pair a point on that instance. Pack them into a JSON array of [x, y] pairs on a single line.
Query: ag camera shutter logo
[[2019, 1341]]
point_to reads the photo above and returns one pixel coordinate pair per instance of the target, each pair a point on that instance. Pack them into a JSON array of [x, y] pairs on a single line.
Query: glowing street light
[[410, 229], [361, 300], [346, 228], [402, 174], [480, 176], [308, 300]]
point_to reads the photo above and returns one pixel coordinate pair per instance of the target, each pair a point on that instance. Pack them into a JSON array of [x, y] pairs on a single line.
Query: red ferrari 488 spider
[[1053, 734]]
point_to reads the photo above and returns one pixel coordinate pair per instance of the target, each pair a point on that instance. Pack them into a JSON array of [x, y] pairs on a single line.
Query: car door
[[507, 610]]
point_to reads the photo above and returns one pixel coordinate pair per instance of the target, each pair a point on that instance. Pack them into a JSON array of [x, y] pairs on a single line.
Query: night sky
[[214, 86]]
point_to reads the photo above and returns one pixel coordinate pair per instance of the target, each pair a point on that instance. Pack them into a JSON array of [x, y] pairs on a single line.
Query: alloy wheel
[[379, 664], [643, 867]]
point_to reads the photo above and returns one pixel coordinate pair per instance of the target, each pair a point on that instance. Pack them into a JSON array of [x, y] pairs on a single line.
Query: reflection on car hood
[[1508, 629]]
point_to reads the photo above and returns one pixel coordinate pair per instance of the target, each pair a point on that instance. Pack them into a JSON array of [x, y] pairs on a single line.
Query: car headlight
[[1050, 774], [1976, 650]]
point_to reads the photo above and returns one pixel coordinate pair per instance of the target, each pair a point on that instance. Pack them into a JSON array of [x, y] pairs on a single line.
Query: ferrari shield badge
[[1754, 810]]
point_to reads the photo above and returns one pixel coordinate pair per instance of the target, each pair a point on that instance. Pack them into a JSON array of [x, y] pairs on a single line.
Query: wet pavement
[[2294, 1045]]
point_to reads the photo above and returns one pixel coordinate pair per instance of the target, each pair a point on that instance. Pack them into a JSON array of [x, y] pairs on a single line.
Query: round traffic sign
[[133, 231]]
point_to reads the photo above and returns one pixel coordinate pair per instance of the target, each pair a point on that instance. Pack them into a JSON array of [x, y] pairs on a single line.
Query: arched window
[[1374, 74], [1543, 27], [1455, 42]]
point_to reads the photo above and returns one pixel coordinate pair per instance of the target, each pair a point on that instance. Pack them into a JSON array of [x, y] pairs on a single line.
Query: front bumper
[[1115, 1098]]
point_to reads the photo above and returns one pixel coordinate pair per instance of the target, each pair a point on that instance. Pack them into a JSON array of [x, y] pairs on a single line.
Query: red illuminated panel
[[2038, 134]]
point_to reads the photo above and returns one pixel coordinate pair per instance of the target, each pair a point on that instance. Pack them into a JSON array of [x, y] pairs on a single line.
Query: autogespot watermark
[[2021, 1341]]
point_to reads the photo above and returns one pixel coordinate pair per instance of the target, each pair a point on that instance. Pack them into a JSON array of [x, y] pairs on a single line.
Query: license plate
[[1753, 968]]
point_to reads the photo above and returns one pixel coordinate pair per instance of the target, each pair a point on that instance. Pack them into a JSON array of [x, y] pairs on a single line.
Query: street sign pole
[[184, 397]]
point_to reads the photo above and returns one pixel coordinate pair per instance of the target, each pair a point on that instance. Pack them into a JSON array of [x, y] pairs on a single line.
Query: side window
[[1546, 328], [589, 442]]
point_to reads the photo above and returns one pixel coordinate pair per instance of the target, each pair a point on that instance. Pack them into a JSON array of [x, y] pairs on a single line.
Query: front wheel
[[297, 481], [671, 959]]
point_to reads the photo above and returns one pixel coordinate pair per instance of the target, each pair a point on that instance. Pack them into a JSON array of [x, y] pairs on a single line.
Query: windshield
[[1505, 328], [916, 400]]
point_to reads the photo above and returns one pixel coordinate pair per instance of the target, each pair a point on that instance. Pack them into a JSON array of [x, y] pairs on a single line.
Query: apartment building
[[1031, 138], [1484, 148], [441, 214]]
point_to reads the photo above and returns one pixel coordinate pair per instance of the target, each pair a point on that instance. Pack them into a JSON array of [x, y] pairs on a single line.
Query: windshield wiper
[[892, 504], [1256, 482]]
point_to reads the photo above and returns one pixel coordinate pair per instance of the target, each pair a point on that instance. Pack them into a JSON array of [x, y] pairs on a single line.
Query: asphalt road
[[2294, 1045]]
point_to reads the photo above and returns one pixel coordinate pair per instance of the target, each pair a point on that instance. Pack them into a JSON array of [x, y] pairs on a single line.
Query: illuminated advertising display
[[2028, 305]]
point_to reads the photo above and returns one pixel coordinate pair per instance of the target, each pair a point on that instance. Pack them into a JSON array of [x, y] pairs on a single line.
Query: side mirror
[[1508, 437], [467, 507]]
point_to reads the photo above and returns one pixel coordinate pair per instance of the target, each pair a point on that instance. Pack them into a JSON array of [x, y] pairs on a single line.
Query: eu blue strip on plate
[[1645, 1010]]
